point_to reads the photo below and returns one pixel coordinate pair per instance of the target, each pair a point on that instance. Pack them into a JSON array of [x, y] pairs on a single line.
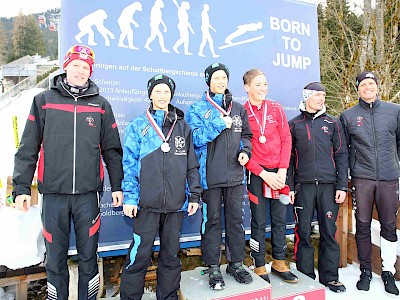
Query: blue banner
[[133, 41]]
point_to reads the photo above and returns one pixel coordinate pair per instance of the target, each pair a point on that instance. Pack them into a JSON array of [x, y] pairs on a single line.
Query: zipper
[[313, 145], [375, 142], [74, 149]]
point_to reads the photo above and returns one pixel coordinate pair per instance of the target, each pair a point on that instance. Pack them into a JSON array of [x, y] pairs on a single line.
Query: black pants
[[145, 228], [56, 215], [322, 198], [259, 207], [211, 231], [386, 197]]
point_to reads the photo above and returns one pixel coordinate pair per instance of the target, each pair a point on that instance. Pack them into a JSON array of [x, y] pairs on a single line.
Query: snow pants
[[385, 194], [321, 197], [57, 211], [145, 228], [259, 208], [230, 201]]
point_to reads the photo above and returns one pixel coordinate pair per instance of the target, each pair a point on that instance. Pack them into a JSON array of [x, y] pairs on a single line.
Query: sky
[[13, 7]]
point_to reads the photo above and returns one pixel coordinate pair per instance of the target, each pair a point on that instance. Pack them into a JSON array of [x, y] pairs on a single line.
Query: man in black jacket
[[317, 177], [73, 128], [372, 129]]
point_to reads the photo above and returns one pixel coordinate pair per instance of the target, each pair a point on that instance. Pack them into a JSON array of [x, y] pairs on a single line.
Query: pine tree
[[27, 38], [3, 49]]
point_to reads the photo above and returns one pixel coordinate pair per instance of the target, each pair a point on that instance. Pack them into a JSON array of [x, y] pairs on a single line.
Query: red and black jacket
[[319, 152], [73, 133]]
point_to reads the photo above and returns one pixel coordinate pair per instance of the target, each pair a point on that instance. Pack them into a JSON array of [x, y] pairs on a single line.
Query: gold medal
[[165, 147]]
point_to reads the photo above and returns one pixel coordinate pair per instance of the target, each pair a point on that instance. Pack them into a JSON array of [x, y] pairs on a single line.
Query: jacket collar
[[366, 105], [311, 116]]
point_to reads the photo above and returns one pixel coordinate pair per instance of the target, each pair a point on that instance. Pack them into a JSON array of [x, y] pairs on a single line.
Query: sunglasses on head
[[82, 50]]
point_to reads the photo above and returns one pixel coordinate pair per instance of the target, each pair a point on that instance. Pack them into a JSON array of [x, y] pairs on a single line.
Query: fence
[[12, 94]]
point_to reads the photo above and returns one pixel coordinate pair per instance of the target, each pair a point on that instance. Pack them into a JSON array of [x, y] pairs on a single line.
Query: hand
[[192, 208], [273, 180], [227, 120], [291, 195], [23, 202], [340, 196], [118, 198], [282, 173], [243, 158], [130, 210]]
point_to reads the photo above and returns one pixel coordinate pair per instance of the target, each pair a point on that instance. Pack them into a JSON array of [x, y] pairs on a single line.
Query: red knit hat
[[80, 52]]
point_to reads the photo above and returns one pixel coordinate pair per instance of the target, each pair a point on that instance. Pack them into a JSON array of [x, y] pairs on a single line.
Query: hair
[[251, 74]]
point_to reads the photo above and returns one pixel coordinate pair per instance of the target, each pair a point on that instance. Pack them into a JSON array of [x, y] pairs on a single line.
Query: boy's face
[[219, 82], [161, 96], [257, 89], [78, 72]]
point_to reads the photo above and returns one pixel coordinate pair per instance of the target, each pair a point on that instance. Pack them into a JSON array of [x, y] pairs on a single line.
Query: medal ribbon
[[213, 103], [262, 128], [158, 129]]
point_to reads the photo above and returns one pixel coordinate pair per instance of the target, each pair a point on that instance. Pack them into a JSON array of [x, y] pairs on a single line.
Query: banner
[[134, 41]]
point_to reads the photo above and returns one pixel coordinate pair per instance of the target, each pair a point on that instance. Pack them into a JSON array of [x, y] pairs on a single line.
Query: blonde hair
[[250, 75]]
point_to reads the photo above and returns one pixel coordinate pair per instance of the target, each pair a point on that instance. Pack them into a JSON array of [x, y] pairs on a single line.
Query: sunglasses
[[82, 50]]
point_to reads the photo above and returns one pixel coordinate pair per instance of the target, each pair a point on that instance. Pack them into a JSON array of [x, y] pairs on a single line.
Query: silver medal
[[165, 147], [262, 139], [228, 119]]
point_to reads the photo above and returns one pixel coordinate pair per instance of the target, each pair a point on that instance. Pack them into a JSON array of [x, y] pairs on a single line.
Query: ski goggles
[[83, 51]]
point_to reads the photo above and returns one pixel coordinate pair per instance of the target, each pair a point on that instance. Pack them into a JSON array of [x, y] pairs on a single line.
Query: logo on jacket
[[207, 114], [325, 129], [329, 214], [180, 145], [237, 121], [270, 119], [144, 131], [360, 121], [90, 121], [179, 142]]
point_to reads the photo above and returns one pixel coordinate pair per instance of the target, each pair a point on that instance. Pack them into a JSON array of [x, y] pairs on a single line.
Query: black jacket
[[319, 153], [373, 136], [73, 134]]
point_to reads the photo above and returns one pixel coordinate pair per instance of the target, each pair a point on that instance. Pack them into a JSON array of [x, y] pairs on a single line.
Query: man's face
[[368, 90], [316, 102], [219, 82], [78, 72], [161, 96], [257, 89]]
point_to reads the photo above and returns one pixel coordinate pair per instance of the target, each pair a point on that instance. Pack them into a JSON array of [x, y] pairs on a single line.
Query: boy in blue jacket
[[160, 165], [222, 141]]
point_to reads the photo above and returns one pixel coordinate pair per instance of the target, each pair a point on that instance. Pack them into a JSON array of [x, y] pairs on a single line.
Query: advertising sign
[[135, 40]]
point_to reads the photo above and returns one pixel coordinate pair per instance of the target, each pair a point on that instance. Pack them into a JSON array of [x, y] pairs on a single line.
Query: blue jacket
[[154, 180], [216, 146]]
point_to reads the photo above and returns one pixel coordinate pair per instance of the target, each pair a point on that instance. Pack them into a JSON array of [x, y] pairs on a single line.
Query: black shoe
[[365, 280], [215, 280], [279, 268], [336, 286], [390, 285], [239, 272]]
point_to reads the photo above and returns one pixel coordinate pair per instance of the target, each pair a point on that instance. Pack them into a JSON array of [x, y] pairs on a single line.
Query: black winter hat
[[160, 78], [365, 75], [212, 68], [311, 88]]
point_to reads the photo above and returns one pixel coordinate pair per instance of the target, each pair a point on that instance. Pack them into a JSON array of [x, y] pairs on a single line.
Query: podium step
[[306, 288], [194, 286]]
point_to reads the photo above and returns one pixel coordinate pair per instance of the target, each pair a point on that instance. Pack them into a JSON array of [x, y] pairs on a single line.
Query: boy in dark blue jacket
[[222, 141], [160, 165]]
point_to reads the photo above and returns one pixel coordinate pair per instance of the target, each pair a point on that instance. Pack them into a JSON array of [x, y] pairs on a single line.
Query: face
[[368, 90], [161, 96], [219, 82], [315, 102], [257, 90], [78, 72]]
